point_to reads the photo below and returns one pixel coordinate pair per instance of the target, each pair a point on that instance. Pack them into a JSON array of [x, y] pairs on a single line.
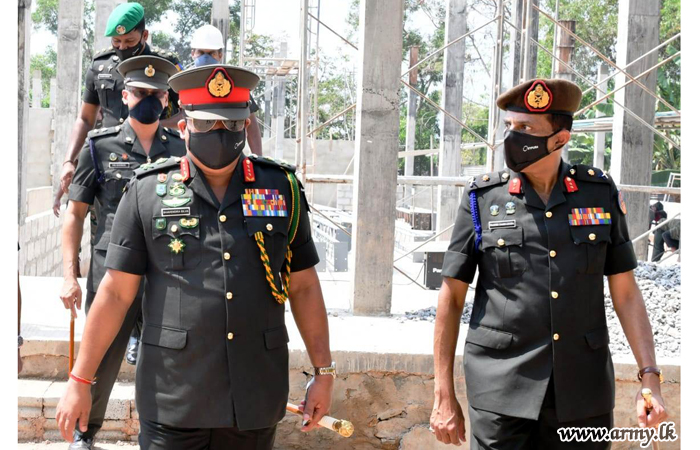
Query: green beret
[[124, 19], [552, 96]]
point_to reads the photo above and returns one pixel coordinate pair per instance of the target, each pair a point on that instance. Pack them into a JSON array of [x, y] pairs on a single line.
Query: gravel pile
[[661, 289]]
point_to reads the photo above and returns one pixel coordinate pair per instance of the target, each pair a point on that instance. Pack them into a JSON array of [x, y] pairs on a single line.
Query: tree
[[46, 64]]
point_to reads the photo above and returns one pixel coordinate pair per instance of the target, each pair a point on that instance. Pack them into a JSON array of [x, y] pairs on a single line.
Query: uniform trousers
[[156, 436], [111, 363], [493, 431]]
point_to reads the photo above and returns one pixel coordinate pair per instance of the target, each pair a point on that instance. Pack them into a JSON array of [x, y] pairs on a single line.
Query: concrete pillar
[[450, 159], [53, 88], [24, 27], [376, 159], [519, 18], [278, 106], [599, 139], [411, 120], [220, 19], [633, 144], [268, 103], [68, 76], [565, 52], [37, 92], [103, 8]]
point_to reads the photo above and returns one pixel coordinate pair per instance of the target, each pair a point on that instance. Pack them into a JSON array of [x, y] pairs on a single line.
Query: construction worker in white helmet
[[208, 48]]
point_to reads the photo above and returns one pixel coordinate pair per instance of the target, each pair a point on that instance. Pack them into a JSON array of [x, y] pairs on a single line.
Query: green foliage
[[46, 16], [46, 64]]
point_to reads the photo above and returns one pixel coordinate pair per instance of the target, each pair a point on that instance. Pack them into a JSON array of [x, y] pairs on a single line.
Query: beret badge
[[538, 98], [121, 29]]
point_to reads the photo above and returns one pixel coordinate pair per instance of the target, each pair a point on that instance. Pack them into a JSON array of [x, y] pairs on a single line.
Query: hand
[[658, 413], [67, 173], [447, 420], [318, 401], [19, 362], [72, 295], [57, 203], [74, 406]]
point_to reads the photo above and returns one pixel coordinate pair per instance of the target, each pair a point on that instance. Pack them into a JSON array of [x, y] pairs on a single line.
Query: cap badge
[[121, 29], [149, 71], [538, 98], [219, 84]]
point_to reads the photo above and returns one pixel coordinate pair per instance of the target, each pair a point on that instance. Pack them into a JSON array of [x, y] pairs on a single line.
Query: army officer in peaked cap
[[107, 162], [543, 235], [222, 241]]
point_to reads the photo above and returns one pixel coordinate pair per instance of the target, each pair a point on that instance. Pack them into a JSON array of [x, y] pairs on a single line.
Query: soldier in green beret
[[106, 163], [543, 234]]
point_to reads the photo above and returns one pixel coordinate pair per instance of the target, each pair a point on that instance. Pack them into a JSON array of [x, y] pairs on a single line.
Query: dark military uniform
[[214, 346], [539, 315], [104, 86], [105, 165]]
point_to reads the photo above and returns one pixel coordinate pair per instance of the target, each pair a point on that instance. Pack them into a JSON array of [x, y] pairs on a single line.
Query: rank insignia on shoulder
[[248, 171], [184, 169], [589, 216], [160, 190], [160, 223], [621, 203], [570, 184], [177, 246], [515, 186], [176, 202], [263, 203], [162, 177], [189, 223]]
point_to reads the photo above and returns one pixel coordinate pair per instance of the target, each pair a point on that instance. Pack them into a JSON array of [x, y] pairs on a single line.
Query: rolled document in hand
[[342, 427]]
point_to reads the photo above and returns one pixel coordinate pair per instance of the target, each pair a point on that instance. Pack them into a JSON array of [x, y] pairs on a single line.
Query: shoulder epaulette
[[273, 162], [99, 132], [163, 163], [172, 57], [105, 51], [172, 132], [487, 179], [589, 173]]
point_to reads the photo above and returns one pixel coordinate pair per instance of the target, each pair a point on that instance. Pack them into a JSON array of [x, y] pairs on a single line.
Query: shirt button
[[269, 227], [552, 253], [230, 336], [227, 256], [119, 176], [555, 294], [222, 218], [173, 228], [548, 214], [591, 236], [121, 120], [556, 336], [229, 295], [501, 242]]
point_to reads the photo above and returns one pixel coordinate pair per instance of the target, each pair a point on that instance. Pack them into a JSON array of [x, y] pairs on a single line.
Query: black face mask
[[522, 149], [130, 51], [147, 111], [217, 148]]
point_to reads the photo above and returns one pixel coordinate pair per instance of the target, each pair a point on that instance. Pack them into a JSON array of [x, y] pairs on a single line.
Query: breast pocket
[[273, 231], [177, 243], [501, 249], [115, 180], [592, 240], [106, 90]]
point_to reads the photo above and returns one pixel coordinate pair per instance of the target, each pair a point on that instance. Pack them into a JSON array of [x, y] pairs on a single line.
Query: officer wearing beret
[[107, 162], [104, 84], [222, 241], [542, 234]]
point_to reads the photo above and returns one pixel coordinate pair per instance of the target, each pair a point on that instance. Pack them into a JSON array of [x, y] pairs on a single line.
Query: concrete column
[[68, 76], [519, 18], [220, 19], [103, 8], [450, 160], [633, 144], [599, 139], [268, 102], [24, 27], [565, 52], [37, 93], [411, 120], [53, 88], [278, 108], [376, 159]]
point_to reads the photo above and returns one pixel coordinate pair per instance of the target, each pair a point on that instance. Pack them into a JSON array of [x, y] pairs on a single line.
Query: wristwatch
[[330, 370], [20, 341], [651, 369]]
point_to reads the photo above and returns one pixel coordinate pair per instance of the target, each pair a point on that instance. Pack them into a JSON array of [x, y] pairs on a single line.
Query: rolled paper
[[344, 428]]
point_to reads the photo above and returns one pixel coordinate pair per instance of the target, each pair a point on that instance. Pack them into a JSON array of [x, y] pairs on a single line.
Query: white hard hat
[[207, 37]]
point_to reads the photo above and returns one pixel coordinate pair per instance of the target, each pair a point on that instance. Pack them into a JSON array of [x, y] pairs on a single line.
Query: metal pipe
[[333, 31], [606, 96], [330, 120], [525, 44], [654, 228], [607, 60], [447, 45], [425, 242]]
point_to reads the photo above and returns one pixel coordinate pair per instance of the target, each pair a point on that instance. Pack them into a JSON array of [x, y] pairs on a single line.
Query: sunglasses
[[143, 93], [204, 125]]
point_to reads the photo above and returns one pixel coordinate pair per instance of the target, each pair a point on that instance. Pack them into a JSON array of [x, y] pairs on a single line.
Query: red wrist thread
[[83, 380]]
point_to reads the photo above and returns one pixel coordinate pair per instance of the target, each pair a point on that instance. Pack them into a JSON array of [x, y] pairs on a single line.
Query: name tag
[[104, 76], [496, 224], [120, 165], [169, 212]]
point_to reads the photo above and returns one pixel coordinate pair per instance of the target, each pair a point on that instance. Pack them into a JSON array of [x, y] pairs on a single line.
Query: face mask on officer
[[134, 50], [218, 148], [522, 150], [150, 106], [205, 59]]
